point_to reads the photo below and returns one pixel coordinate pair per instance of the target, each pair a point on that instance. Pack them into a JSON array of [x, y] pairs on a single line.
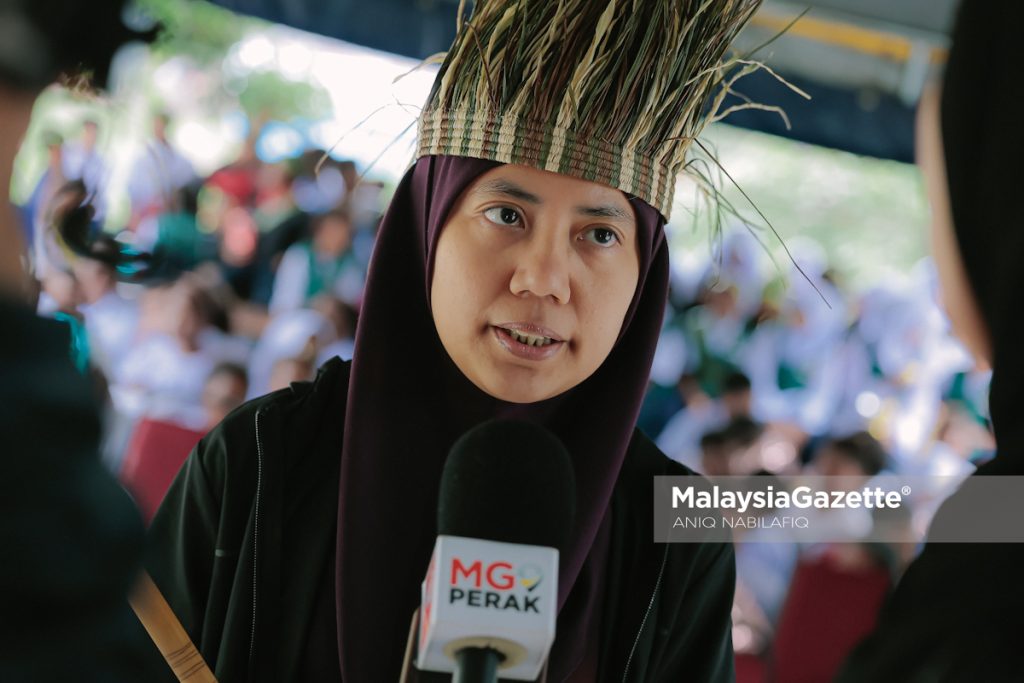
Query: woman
[[521, 271], [955, 615]]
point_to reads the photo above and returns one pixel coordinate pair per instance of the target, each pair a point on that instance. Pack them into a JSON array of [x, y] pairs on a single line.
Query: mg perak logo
[[498, 585]]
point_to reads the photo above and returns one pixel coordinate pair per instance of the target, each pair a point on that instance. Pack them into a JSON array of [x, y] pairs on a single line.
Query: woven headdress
[[611, 91]]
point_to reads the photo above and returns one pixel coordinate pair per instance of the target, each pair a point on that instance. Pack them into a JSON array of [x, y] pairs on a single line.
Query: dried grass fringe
[[641, 76]]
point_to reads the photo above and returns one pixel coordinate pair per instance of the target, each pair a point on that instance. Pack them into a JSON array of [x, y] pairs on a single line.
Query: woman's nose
[[542, 269]]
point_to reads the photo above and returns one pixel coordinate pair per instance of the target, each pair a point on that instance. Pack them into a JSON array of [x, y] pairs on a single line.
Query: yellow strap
[[878, 43]]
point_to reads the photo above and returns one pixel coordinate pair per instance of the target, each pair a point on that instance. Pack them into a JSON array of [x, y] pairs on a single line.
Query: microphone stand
[[476, 665], [461, 657]]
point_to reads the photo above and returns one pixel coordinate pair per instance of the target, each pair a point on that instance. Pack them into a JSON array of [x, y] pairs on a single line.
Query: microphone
[[490, 596]]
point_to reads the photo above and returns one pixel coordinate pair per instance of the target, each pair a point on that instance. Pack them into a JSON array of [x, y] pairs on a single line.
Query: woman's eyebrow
[[607, 211], [509, 189]]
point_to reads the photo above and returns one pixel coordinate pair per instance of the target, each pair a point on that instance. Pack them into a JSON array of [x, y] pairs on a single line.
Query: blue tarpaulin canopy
[[864, 62]]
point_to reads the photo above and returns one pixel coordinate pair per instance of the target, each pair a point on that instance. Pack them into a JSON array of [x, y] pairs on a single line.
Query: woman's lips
[[526, 351], [531, 329]]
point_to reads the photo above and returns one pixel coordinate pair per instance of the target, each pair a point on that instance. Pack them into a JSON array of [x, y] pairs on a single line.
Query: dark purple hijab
[[408, 403]]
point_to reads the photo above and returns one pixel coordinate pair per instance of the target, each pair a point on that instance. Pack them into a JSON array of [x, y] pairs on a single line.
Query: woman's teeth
[[529, 339]]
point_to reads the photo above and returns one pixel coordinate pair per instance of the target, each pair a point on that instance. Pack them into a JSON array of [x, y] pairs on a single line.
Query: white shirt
[[291, 282], [159, 379], [111, 324], [157, 175]]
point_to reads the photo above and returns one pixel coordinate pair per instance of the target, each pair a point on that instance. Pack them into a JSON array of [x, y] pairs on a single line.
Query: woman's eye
[[503, 215], [602, 236]]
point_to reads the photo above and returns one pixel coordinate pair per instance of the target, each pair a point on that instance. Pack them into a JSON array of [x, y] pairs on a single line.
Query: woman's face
[[533, 275]]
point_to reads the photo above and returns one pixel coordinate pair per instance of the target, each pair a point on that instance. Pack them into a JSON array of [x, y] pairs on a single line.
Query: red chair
[[750, 669], [155, 453], [828, 610]]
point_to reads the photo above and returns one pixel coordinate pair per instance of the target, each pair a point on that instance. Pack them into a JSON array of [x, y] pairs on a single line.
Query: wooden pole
[[167, 633]]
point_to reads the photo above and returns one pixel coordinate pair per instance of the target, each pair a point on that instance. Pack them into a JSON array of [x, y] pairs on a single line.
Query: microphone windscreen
[[509, 481]]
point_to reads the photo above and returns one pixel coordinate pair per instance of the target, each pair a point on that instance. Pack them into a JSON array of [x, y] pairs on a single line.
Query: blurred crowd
[[767, 370], [255, 279], [247, 279], [804, 359]]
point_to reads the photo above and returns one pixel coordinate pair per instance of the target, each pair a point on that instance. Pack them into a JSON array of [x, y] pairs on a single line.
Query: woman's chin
[[515, 390]]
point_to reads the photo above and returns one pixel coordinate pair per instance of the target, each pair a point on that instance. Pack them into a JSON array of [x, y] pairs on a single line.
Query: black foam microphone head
[[508, 481]]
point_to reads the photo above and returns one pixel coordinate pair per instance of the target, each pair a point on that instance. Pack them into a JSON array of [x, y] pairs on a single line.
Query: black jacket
[[249, 525]]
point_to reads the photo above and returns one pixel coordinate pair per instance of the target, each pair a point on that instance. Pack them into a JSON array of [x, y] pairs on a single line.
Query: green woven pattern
[[559, 150]]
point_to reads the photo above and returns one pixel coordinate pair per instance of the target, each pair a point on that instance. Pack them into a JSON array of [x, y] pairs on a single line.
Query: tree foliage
[[195, 28]]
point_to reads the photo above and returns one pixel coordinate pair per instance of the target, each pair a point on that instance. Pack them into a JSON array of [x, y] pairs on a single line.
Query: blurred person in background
[[790, 358], [289, 370], [157, 448], [290, 335], [173, 235], [953, 616], [849, 462], [740, 262], [736, 395], [319, 184], [911, 360], [853, 460], [225, 389], [227, 212], [325, 264], [231, 194], [819, 598], [46, 187], [680, 439], [343, 318], [733, 449], [858, 456], [281, 224], [51, 192], [715, 453], [716, 331], [962, 439], [700, 414], [81, 160], [765, 568], [71, 537], [157, 174], [60, 292], [111, 320], [162, 376], [366, 203]]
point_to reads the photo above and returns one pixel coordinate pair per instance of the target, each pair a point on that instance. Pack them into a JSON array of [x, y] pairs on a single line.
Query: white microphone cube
[[488, 594]]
